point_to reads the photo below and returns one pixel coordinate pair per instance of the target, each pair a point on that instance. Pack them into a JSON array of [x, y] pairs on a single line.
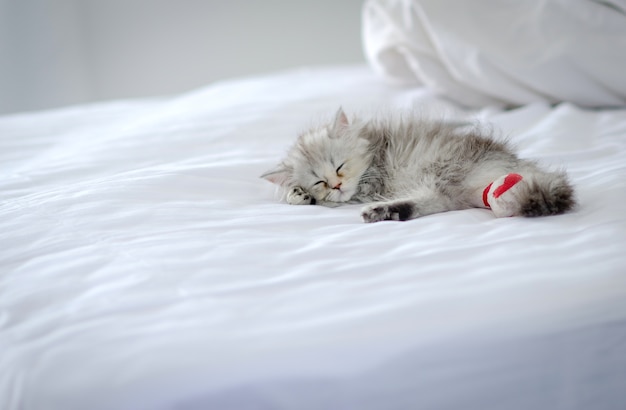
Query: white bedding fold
[[503, 52]]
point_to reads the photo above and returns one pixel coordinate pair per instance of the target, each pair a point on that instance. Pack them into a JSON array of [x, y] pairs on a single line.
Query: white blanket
[[506, 52], [145, 265]]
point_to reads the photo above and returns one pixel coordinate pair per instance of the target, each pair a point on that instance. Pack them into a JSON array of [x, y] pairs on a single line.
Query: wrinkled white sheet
[[145, 265], [507, 52]]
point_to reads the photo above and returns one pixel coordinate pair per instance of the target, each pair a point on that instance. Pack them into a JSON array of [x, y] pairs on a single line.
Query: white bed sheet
[[144, 264]]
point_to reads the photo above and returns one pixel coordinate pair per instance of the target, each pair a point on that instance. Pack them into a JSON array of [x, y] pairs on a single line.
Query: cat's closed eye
[[339, 168], [320, 182]]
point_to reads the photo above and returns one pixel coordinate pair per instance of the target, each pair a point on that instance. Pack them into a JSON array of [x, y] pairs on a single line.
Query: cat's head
[[328, 161]]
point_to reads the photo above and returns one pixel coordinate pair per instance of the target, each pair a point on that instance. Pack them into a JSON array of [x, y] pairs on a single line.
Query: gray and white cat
[[407, 168]]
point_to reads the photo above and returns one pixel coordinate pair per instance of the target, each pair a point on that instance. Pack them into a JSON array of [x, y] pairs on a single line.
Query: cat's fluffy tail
[[546, 194]]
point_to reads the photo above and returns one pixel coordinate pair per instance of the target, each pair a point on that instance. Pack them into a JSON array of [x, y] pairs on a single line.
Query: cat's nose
[[337, 186]]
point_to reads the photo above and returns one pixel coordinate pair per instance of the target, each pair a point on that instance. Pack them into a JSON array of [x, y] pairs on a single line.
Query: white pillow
[[504, 52]]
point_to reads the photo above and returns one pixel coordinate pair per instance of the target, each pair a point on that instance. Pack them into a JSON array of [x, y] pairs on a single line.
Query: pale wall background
[[59, 52]]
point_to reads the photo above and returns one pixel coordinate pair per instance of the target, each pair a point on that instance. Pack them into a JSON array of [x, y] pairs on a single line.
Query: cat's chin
[[344, 196]]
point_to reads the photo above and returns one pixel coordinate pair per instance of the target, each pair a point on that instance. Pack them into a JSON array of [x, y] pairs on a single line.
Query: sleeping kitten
[[409, 168]]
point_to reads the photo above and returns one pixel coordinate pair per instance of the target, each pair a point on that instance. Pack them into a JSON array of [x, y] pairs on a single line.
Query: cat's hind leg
[[502, 195], [531, 194]]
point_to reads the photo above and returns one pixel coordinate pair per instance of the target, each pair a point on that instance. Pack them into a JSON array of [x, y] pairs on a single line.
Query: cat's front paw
[[394, 211], [298, 196], [375, 213]]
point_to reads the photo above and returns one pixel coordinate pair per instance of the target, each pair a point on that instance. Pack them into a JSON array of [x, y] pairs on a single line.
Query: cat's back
[[410, 142]]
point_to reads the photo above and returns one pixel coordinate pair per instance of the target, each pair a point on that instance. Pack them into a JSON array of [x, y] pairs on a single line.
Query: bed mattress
[[145, 265]]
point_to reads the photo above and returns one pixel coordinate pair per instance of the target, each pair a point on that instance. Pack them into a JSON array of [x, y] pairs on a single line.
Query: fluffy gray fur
[[409, 168]]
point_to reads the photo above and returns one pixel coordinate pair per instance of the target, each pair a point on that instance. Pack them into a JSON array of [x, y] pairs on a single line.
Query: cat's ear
[[341, 120], [278, 175]]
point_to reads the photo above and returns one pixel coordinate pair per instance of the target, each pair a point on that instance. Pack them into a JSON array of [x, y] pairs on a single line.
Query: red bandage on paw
[[509, 182], [485, 193]]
